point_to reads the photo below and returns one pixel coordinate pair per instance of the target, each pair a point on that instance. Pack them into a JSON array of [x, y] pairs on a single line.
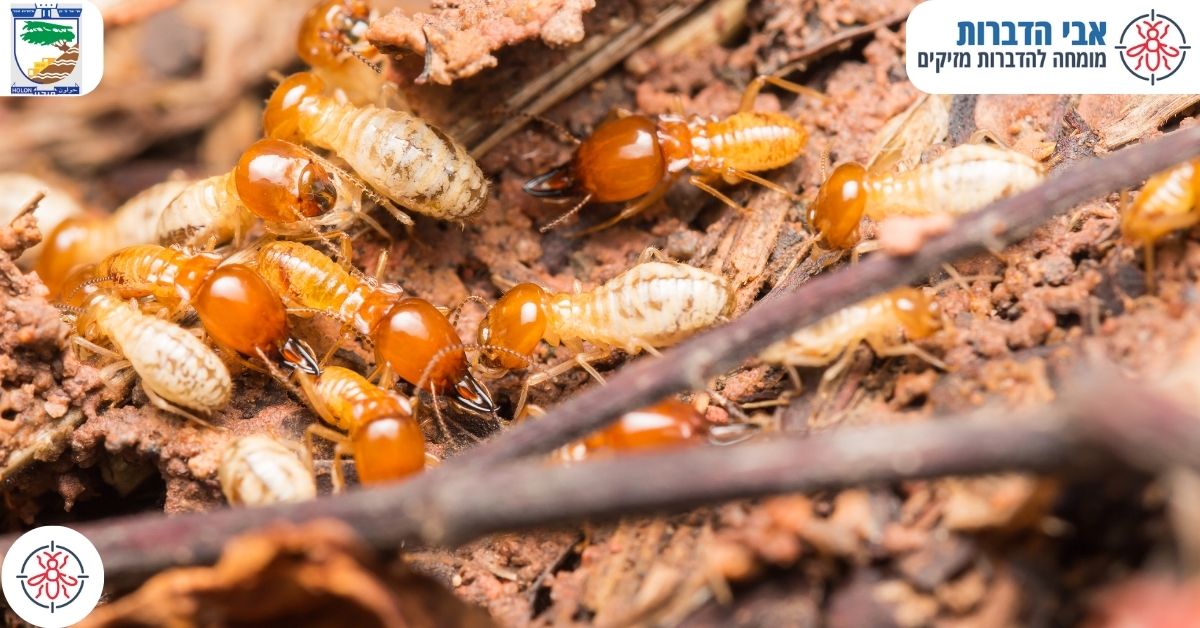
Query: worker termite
[[962, 180], [636, 159], [331, 42], [396, 153], [238, 309], [179, 373], [412, 338], [293, 191], [654, 304], [259, 470], [381, 433], [84, 240], [669, 423], [888, 323], [1169, 201]]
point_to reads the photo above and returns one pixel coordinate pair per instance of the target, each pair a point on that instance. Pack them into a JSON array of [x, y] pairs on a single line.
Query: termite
[[238, 309], [331, 42], [653, 304], [179, 373], [85, 240], [962, 180], [380, 431], [888, 323], [412, 338], [637, 158], [669, 423], [1169, 201], [293, 191], [259, 470], [399, 155]]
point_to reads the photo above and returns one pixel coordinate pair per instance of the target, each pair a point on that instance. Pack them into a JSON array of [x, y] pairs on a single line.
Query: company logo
[[1039, 47], [52, 576], [1153, 47], [53, 48]]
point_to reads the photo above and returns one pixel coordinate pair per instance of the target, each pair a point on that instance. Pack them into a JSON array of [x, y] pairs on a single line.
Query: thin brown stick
[[457, 508]]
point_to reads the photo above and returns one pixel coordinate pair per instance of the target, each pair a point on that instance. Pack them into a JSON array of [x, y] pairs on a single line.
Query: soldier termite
[[669, 423], [260, 470], [412, 337], [179, 373], [84, 240], [888, 323], [396, 153], [1169, 201], [238, 309], [654, 304], [636, 159], [962, 180], [381, 433]]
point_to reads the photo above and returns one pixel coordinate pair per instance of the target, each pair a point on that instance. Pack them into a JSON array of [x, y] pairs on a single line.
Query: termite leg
[[97, 349], [910, 349], [983, 136], [339, 441], [761, 80], [167, 406], [805, 246], [766, 183], [862, 248], [581, 360], [703, 185], [653, 254]]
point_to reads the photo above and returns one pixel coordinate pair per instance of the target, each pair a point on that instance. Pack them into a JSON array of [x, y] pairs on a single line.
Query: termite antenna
[[562, 132], [377, 67], [574, 210]]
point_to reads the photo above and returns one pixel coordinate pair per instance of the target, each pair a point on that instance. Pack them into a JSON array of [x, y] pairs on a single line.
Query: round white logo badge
[[52, 577]]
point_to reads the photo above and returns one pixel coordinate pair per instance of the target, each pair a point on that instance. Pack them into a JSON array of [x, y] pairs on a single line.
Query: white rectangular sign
[[1054, 47]]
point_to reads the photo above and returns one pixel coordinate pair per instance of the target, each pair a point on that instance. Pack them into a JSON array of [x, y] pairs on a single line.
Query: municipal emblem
[[1153, 47], [46, 49]]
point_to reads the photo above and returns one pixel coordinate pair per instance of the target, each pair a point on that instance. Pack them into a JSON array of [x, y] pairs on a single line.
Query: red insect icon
[[51, 582], [1153, 53]]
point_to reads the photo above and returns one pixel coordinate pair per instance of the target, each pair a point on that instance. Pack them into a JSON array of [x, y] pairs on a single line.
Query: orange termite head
[[388, 448], [839, 206], [622, 160], [291, 99], [282, 182], [669, 423], [517, 322], [421, 346], [193, 272], [67, 246], [240, 311], [917, 312], [329, 28]]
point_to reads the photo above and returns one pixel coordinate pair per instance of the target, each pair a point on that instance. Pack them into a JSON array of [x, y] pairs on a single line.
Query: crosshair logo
[[1153, 47], [52, 576]]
